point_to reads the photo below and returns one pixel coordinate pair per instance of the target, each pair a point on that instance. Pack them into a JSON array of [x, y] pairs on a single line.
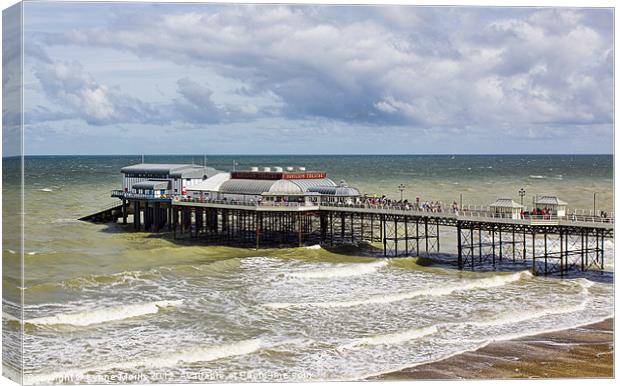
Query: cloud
[[427, 67], [80, 95], [196, 105], [70, 86], [482, 74]]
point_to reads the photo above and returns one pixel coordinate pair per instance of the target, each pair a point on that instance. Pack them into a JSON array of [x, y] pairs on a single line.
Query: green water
[[103, 302]]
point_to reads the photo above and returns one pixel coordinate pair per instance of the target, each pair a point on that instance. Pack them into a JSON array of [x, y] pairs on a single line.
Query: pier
[[275, 209], [551, 245]]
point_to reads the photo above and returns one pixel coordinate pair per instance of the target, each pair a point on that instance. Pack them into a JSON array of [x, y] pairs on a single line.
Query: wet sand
[[582, 352]]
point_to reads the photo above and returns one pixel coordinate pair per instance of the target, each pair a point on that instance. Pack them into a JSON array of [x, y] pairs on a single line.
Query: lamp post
[[521, 194], [401, 187], [594, 203]]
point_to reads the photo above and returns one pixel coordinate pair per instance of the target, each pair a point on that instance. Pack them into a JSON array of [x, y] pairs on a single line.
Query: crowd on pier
[[425, 206]]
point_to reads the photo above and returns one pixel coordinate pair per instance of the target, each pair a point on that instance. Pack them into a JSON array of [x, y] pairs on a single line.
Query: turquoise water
[[105, 304]]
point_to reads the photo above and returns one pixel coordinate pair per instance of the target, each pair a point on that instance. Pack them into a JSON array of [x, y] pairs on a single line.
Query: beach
[[581, 352]]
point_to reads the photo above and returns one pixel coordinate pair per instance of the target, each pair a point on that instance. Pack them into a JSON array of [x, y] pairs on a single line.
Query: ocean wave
[[166, 360], [206, 354], [537, 177], [340, 271], [66, 221], [103, 315], [491, 282], [9, 318], [315, 246], [46, 190], [124, 277], [391, 338], [522, 316]]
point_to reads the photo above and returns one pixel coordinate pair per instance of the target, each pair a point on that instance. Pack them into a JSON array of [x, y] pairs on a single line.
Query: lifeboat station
[[291, 206]]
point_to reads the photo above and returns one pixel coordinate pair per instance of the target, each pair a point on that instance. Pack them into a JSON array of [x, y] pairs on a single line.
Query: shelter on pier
[[507, 208], [553, 204]]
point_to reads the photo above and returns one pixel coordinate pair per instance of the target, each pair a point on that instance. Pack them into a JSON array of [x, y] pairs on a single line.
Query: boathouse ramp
[[110, 213]]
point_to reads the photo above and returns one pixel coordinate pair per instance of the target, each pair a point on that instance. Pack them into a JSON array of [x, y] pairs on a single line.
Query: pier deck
[[551, 244]]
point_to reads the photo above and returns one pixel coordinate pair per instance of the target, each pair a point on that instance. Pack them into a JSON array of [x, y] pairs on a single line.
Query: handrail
[[467, 212]]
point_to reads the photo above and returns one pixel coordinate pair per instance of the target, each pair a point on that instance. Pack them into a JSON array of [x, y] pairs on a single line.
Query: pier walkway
[[549, 243]]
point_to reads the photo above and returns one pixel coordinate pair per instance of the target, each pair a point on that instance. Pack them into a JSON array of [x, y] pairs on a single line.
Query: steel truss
[[551, 249]]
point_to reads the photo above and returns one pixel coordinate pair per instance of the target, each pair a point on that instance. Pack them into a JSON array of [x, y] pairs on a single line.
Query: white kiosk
[[556, 206], [506, 208]]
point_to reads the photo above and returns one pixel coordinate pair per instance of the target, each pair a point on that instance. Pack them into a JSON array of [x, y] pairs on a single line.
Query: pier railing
[[245, 203], [480, 213], [467, 212], [140, 196]]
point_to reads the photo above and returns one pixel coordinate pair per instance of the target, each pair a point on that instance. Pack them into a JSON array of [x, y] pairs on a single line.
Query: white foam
[[8, 317], [537, 177], [46, 190], [339, 271], [522, 316], [165, 360], [315, 246], [65, 220], [495, 281], [103, 315], [391, 338]]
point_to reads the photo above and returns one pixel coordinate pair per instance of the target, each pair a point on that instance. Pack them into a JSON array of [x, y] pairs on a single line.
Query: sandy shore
[[583, 352]]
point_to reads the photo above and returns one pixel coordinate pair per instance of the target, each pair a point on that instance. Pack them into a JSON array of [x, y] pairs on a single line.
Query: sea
[[106, 304]]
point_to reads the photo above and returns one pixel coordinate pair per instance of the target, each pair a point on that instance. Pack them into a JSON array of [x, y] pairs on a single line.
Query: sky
[[139, 78]]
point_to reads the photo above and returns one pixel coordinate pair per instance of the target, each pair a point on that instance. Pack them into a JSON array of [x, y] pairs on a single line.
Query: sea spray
[[495, 281], [339, 271], [391, 338], [103, 315], [165, 360]]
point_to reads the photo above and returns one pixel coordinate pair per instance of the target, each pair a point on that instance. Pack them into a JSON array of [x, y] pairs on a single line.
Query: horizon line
[[303, 154]]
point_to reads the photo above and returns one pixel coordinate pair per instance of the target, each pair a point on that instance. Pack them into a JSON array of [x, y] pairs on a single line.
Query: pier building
[[159, 180], [274, 186], [553, 204], [277, 207], [506, 208]]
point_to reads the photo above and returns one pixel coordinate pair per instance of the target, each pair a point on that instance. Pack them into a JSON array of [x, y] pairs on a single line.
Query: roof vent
[[277, 169], [254, 169], [302, 168], [266, 169]]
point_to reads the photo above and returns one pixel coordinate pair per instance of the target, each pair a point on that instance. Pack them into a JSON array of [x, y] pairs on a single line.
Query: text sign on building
[[305, 175], [277, 175]]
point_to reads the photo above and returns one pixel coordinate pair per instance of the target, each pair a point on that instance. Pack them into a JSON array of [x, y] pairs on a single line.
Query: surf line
[[495, 281], [103, 315]]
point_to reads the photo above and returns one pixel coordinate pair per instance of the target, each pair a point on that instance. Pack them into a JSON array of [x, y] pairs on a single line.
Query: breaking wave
[[166, 360], [522, 316], [495, 281], [104, 315], [315, 246], [392, 338], [340, 271]]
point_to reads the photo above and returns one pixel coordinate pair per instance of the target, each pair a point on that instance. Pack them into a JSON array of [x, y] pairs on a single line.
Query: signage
[[247, 175]]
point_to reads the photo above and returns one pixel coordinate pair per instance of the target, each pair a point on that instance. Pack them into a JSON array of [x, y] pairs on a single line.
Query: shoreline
[[579, 352]]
